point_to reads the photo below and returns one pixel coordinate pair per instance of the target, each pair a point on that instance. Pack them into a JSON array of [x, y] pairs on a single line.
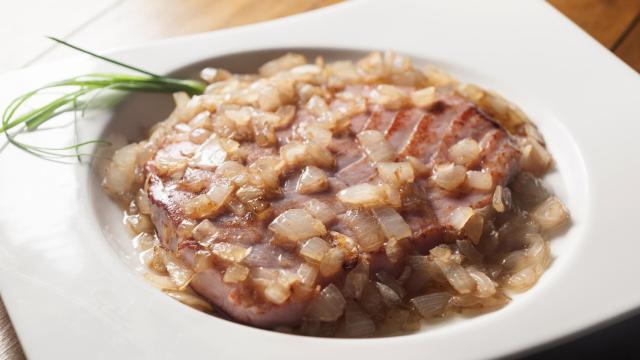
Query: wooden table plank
[[138, 21], [629, 48], [9, 346], [605, 20]]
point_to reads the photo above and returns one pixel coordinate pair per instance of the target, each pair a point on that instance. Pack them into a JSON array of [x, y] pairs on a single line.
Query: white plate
[[71, 295]]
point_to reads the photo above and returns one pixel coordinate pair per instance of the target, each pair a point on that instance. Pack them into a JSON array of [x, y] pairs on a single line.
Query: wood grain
[[629, 48], [605, 20], [9, 344]]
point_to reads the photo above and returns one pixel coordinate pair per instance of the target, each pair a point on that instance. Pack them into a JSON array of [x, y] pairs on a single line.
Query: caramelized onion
[[331, 264], [230, 252], [423, 97], [479, 180], [356, 322], [468, 222]]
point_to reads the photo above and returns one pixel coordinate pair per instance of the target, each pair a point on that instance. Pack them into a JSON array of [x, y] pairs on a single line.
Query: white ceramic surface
[[67, 275]]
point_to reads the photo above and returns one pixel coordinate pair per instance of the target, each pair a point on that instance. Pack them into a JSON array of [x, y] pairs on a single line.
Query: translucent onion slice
[[120, 175], [320, 211], [550, 214], [392, 223], [356, 280], [479, 180], [143, 203], [449, 176], [285, 62], [391, 282], [365, 228], [501, 200], [535, 158], [277, 293], [389, 96], [318, 135], [200, 206], [307, 274], [203, 230], [419, 168], [468, 221], [377, 148], [312, 180], [331, 263], [236, 273], [219, 192], [363, 195], [485, 287], [389, 296], [456, 275], [230, 252], [296, 225], [179, 273], [431, 305], [357, 323], [396, 173], [465, 152], [423, 97], [328, 305], [314, 249], [210, 154]]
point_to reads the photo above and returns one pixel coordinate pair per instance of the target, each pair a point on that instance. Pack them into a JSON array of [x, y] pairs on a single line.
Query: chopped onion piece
[[479, 180], [396, 173], [469, 251], [356, 280], [139, 223], [366, 229], [449, 176], [431, 305], [523, 279], [285, 62], [308, 274], [465, 152], [269, 169], [210, 154], [331, 264], [356, 322], [393, 225], [200, 206], [179, 273], [389, 296], [535, 158], [501, 200], [468, 222], [318, 135], [550, 214], [161, 282], [389, 96], [142, 202], [314, 249], [230, 252], [376, 146], [320, 211], [363, 195], [485, 287], [419, 168], [120, 174], [219, 192], [423, 97], [328, 305], [296, 225], [277, 293], [391, 282], [236, 273], [456, 275], [312, 179], [203, 230]]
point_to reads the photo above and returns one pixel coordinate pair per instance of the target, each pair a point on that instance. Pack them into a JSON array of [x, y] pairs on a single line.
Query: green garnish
[[79, 94]]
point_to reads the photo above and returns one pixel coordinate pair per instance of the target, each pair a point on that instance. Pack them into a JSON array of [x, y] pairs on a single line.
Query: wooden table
[[101, 24]]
